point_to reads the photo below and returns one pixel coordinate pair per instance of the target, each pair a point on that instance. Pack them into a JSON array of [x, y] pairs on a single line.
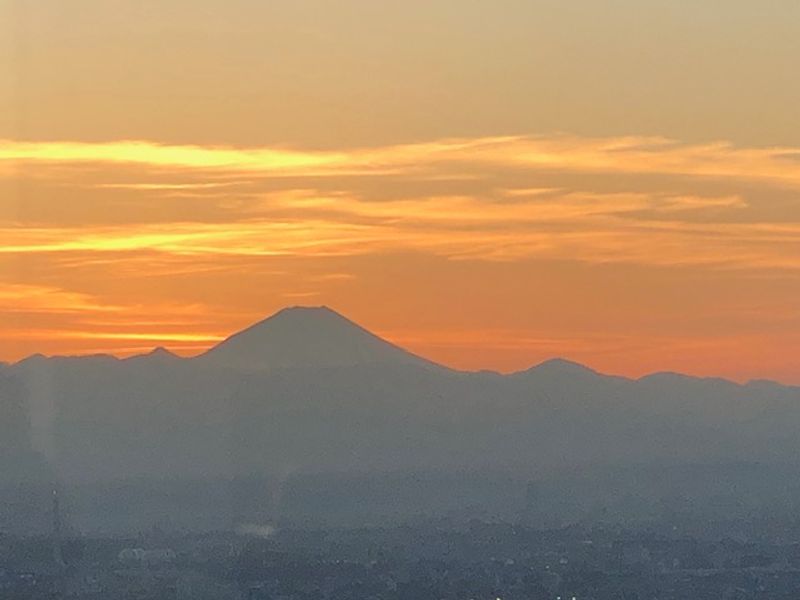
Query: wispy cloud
[[620, 155], [637, 228], [22, 298], [175, 222]]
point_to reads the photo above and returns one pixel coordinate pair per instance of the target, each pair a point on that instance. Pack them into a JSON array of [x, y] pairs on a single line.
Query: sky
[[489, 184]]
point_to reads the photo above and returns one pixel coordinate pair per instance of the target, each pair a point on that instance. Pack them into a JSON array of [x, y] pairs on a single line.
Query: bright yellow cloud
[[160, 155], [778, 165]]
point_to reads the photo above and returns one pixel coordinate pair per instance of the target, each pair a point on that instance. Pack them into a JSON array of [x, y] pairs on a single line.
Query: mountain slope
[[306, 337]]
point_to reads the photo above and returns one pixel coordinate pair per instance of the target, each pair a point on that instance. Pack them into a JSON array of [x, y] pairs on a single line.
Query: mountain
[[306, 337], [157, 355], [308, 398]]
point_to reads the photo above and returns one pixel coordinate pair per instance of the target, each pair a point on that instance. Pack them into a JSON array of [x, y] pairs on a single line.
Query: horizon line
[[148, 351]]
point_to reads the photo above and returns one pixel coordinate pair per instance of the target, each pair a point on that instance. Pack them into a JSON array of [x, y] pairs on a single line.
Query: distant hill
[[308, 392]]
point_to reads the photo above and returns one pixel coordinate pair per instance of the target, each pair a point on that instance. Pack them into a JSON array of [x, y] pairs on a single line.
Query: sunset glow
[[629, 248]]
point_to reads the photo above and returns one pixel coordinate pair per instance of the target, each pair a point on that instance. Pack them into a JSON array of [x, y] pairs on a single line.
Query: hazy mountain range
[[307, 393]]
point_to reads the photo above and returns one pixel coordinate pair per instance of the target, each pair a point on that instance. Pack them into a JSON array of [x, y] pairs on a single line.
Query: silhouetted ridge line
[[303, 336]]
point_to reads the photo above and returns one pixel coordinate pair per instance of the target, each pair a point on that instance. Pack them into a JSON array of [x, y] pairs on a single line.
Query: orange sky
[[169, 175]]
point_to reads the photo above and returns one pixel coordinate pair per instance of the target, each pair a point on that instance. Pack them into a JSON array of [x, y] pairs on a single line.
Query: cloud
[[622, 227], [161, 155], [18, 298], [151, 338], [132, 233], [616, 155]]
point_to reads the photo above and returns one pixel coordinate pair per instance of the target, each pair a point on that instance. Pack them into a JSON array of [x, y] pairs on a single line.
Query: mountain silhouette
[[308, 393], [305, 337]]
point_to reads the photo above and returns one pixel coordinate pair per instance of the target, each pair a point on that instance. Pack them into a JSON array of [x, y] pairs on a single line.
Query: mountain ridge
[[220, 354], [307, 391]]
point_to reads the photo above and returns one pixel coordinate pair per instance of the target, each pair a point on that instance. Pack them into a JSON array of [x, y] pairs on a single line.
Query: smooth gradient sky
[[489, 184]]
